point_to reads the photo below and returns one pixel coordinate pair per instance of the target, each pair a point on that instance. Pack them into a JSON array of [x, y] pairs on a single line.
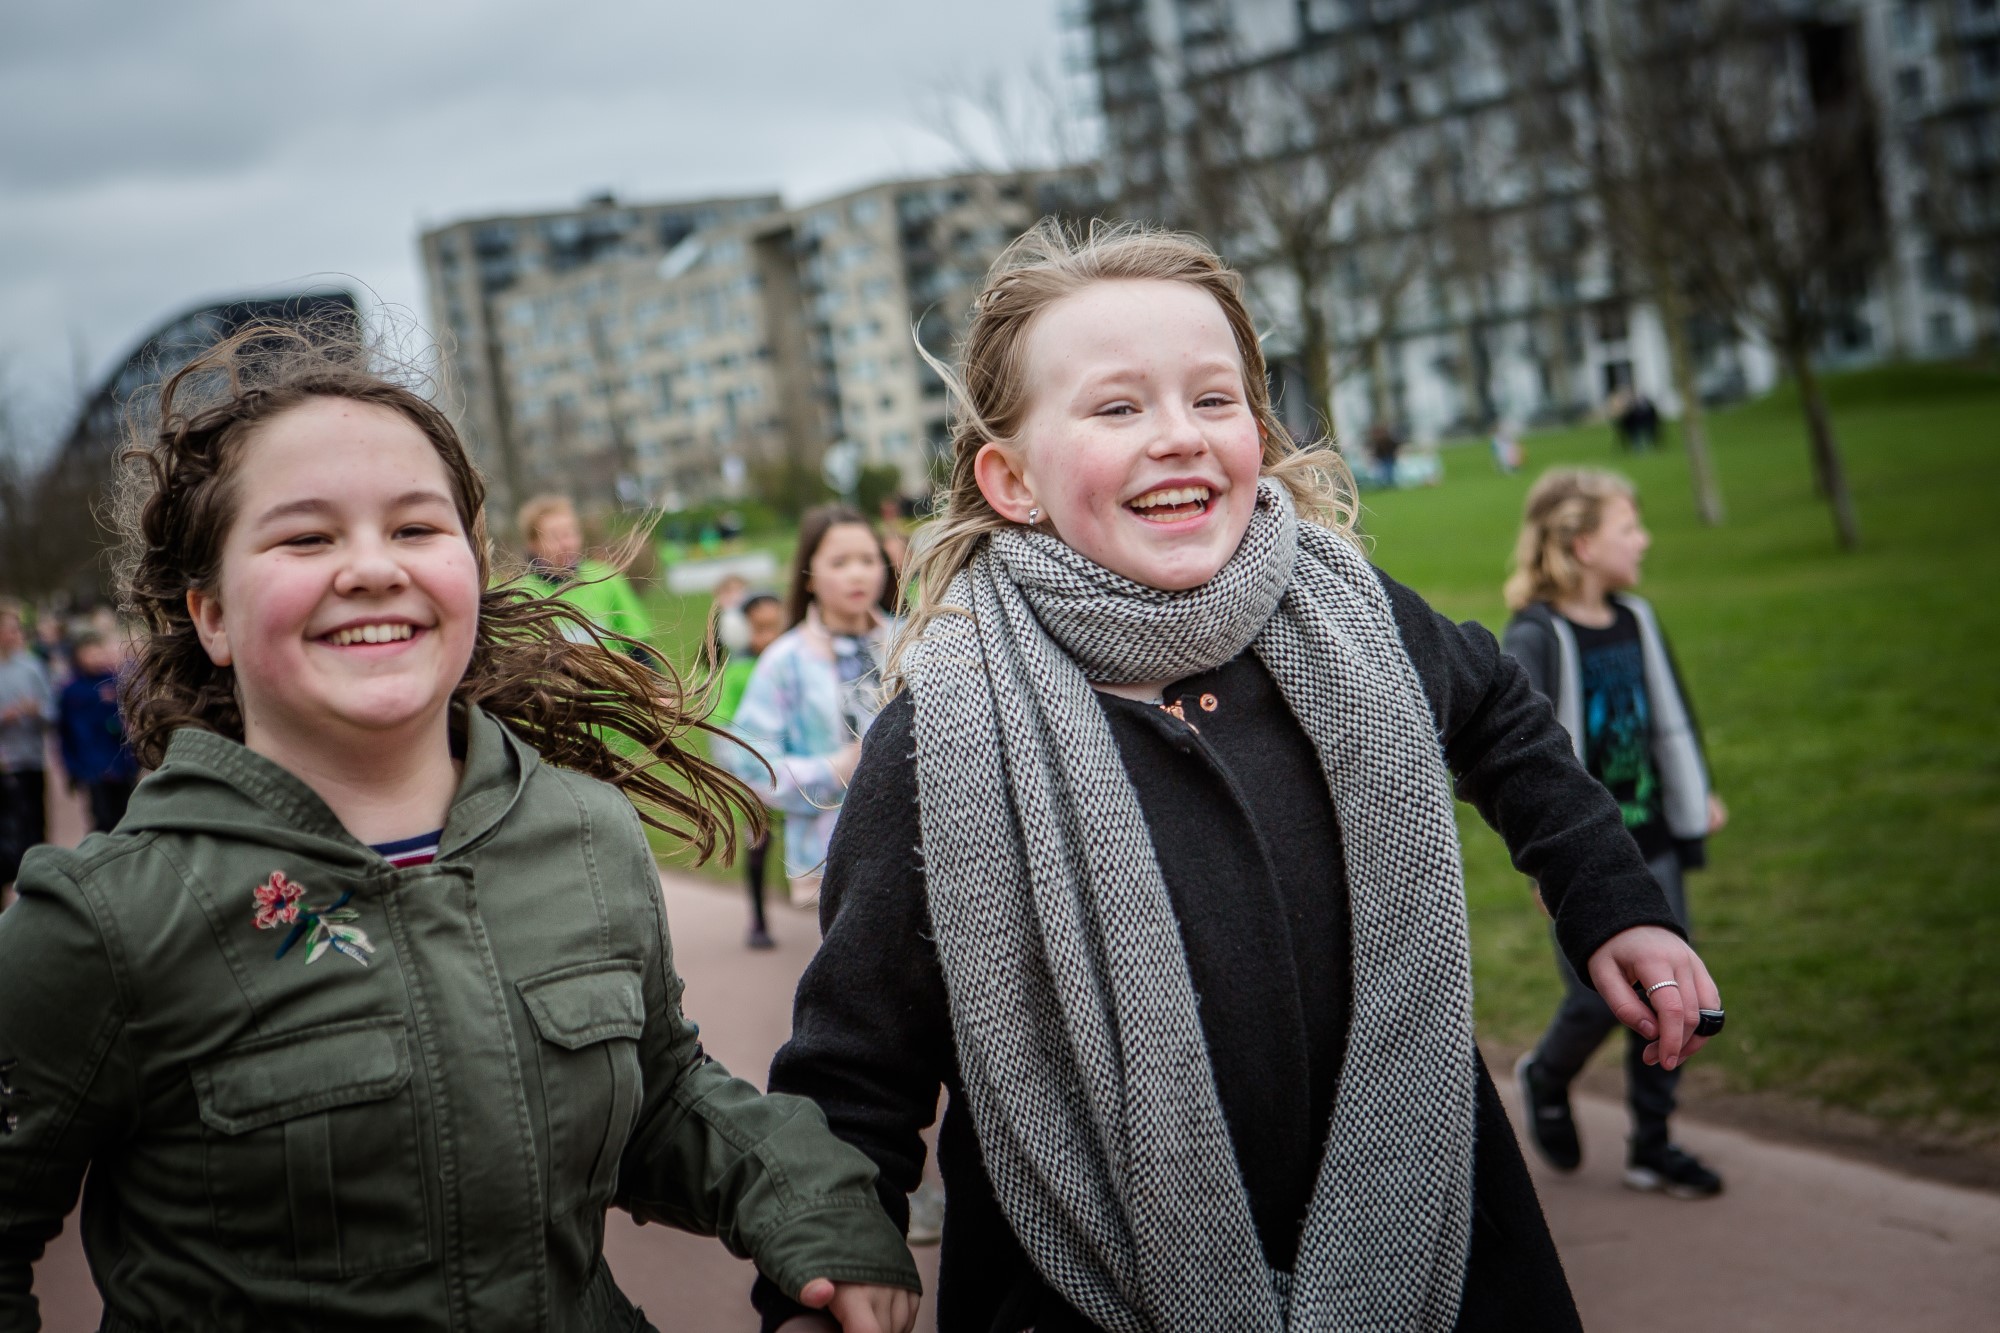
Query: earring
[[1034, 516]]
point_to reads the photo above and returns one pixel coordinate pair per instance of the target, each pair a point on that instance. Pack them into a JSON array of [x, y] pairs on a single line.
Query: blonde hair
[[532, 513], [1563, 505], [990, 393]]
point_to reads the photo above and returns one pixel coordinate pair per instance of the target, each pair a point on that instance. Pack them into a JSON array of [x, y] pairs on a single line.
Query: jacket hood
[[211, 784]]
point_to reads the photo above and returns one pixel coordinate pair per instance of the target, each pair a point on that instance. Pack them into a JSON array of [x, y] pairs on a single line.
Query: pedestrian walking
[[763, 621], [1595, 650], [27, 708], [96, 758], [367, 1012], [558, 568], [814, 692], [1152, 864]]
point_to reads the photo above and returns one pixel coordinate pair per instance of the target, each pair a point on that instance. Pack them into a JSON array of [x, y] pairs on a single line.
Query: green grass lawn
[[1852, 713]]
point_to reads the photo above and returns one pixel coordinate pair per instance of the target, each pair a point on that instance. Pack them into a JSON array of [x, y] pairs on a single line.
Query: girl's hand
[[1648, 956], [859, 1307], [1718, 814]]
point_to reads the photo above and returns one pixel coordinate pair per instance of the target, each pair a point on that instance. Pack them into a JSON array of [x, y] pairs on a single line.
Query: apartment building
[[731, 361], [472, 266], [1466, 289]]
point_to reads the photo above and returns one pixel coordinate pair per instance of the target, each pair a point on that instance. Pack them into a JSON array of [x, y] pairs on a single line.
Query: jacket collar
[[211, 784]]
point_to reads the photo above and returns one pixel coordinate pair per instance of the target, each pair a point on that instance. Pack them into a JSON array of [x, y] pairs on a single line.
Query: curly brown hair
[[569, 695]]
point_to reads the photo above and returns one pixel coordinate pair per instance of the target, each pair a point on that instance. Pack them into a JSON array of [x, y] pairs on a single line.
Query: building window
[[1611, 322], [1910, 85]]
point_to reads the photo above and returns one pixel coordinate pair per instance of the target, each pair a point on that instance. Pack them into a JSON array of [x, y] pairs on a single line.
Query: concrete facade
[[633, 371], [1553, 323]]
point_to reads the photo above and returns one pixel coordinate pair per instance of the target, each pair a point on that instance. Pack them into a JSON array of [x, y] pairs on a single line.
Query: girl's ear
[[206, 613], [1003, 482]]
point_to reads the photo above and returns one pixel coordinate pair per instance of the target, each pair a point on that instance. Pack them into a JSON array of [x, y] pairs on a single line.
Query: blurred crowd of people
[[59, 717]]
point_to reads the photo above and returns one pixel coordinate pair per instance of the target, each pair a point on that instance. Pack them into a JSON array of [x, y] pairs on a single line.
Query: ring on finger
[[1662, 985]]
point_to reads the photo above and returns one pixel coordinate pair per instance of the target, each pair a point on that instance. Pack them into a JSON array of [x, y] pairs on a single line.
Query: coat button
[[1209, 703]]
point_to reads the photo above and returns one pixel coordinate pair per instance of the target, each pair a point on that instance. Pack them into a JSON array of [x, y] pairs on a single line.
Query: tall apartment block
[[1556, 323], [703, 351], [473, 268]]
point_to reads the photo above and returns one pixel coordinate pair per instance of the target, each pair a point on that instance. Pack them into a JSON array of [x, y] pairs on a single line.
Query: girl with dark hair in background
[[815, 691], [367, 1012]]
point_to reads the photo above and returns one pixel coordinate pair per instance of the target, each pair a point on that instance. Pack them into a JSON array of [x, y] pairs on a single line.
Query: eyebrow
[[315, 505]]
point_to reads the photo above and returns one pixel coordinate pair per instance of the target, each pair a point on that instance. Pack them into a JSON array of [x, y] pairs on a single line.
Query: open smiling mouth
[[1171, 504], [353, 634]]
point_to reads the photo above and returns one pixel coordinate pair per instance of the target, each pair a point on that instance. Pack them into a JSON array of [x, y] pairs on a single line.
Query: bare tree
[[1600, 112], [1778, 205]]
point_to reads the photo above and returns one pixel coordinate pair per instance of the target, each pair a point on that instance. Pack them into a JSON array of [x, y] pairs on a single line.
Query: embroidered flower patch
[[279, 902]]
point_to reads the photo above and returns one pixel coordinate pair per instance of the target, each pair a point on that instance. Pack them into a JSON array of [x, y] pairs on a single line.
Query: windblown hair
[[568, 697], [1563, 505], [990, 393]]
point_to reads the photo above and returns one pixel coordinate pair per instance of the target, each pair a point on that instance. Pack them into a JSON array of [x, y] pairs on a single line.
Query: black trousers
[[1583, 1020], [24, 817], [107, 803]]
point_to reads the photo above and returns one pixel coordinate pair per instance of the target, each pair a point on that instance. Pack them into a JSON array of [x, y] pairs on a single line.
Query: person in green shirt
[[554, 538]]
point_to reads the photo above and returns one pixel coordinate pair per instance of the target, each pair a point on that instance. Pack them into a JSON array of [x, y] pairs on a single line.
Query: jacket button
[[1209, 703]]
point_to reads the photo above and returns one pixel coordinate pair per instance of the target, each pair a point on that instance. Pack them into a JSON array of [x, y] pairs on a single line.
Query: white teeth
[[1172, 495], [370, 634]]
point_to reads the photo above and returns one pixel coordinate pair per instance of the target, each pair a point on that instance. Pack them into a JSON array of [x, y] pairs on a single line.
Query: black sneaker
[[758, 939], [1666, 1169], [1550, 1123]]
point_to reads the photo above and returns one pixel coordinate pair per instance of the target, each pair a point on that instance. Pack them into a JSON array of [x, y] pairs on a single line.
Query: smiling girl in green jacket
[[367, 1011]]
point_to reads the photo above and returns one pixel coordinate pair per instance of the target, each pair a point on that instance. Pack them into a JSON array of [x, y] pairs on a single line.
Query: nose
[[371, 568], [1180, 432]]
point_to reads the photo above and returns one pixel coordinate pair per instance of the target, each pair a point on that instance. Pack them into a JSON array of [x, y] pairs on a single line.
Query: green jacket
[[603, 594], [429, 1141]]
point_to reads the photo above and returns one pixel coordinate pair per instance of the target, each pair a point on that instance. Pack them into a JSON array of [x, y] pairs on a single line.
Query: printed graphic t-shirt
[[1618, 725]]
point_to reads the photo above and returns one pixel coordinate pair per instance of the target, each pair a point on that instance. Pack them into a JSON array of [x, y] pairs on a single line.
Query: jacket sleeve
[[711, 1154], [67, 1087], [797, 784], [871, 1026], [1514, 762]]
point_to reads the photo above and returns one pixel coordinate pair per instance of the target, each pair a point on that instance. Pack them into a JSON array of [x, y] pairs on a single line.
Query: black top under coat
[[1249, 845]]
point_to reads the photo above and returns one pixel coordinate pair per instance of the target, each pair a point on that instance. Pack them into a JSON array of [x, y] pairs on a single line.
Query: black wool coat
[[1250, 848]]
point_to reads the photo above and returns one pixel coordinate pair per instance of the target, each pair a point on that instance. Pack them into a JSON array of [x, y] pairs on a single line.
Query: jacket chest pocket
[[590, 1019], [310, 1152]]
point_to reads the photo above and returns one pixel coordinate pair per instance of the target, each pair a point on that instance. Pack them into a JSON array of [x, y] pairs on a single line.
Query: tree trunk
[[1694, 421], [1378, 360], [1825, 449], [1315, 350]]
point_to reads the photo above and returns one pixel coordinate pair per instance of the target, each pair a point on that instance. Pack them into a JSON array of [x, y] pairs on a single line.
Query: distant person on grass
[[554, 538], [1596, 652]]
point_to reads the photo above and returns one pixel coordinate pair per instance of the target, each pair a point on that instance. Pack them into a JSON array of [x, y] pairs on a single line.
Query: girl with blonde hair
[[1595, 650], [1152, 864]]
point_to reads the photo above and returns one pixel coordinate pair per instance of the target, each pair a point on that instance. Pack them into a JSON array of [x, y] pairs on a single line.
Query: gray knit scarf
[[1079, 1039]]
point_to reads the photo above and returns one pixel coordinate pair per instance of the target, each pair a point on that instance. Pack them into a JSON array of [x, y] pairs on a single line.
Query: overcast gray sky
[[155, 156]]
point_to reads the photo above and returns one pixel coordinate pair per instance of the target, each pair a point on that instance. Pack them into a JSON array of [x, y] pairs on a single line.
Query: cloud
[[155, 156]]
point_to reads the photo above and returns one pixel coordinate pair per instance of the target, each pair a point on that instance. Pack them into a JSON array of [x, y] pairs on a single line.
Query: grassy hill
[[1851, 705]]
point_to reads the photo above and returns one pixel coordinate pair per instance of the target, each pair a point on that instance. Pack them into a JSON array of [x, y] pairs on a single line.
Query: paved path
[[1802, 1242]]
